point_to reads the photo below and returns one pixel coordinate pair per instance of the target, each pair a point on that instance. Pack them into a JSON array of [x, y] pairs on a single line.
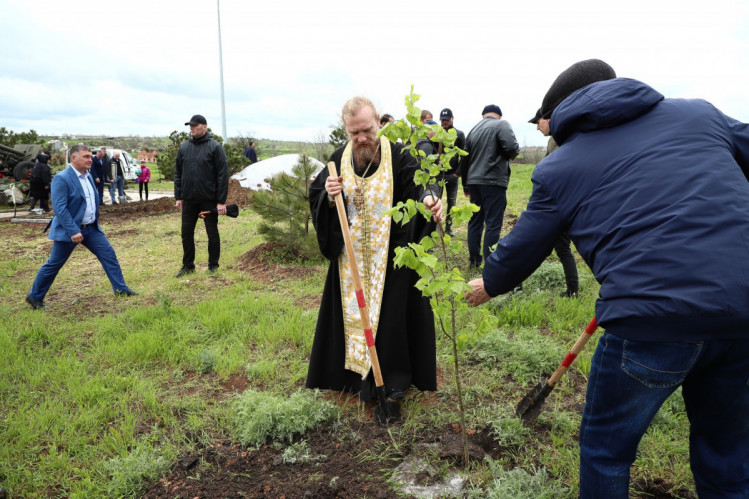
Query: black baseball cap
[[446, 114], [198, 119], [537, 117]]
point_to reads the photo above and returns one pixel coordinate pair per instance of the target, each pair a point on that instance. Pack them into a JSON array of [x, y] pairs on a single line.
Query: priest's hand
[[477, 295], [435, 205], [333, 186]]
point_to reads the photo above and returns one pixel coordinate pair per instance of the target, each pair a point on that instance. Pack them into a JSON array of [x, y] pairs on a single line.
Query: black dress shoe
[[35, 304], [125, 292], [213, 269], [183, 271]]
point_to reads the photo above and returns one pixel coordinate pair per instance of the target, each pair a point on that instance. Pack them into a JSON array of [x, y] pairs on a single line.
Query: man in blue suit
[[76, 203]]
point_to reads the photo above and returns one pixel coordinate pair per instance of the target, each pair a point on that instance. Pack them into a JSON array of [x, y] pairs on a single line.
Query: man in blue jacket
[[76, 220], [653, 193]]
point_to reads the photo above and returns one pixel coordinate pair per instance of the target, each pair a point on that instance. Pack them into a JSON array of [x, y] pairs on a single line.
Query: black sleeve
[[325, 215], [222, 174], [178, 175]]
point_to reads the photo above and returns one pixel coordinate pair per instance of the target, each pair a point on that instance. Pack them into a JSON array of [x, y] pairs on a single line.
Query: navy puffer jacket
[[654, 194]]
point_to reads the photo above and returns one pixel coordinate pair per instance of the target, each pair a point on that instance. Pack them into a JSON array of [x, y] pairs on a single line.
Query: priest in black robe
[[375, 175]]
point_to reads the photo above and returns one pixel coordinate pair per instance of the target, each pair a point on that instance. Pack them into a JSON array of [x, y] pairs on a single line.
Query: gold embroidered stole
[[370, 235]]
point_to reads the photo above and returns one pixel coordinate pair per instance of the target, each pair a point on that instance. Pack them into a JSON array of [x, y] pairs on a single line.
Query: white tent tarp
[[255, 176]]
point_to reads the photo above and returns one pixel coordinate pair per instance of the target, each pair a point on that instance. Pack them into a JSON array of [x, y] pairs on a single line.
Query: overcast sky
[[144, 67]]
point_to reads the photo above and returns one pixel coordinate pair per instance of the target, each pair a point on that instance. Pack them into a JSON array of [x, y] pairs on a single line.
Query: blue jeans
[[630, 380], [120, 188], [492, 199], [97, 243]]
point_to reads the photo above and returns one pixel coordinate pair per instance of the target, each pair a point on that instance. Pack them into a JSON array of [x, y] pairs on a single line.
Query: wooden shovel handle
[[357, 282], [576, 349]]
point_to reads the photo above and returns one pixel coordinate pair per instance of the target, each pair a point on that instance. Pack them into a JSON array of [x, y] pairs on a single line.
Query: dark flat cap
[[579, 75], [492, 108]]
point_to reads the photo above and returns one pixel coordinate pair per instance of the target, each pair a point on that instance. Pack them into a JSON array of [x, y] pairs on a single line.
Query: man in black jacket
[[201, 182], [451, 176], [114, 172], [491, 144], [97, 172]]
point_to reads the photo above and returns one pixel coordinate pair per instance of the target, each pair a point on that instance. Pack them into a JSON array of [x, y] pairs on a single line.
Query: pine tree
[[285, 211]]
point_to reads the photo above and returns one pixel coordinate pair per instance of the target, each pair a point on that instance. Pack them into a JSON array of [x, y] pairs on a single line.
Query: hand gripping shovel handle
[[529, 408], [363, 311]]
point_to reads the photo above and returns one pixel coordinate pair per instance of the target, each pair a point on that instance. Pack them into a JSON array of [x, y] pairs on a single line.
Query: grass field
[[102, 396]]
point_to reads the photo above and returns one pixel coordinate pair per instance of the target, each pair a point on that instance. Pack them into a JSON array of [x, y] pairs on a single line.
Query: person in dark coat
[[201, 182], [562, 247], [249, 152], [114, 172], [41, 178], [373, 176], [453, 174], [97, 173], [491, 144], [653, 193]]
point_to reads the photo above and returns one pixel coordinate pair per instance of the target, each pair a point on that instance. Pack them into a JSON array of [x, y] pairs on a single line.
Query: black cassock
[[405, 339]]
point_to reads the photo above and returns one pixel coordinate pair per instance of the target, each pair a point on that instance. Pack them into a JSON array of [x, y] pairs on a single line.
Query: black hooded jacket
[[201, 172]]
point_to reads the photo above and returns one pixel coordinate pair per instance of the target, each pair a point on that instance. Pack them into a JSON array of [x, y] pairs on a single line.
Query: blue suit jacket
[[69, 202]]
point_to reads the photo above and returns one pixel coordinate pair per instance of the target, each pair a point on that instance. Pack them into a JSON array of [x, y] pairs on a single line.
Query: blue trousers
[[97, 243], [630, 380], [492, 200], [120, 182]]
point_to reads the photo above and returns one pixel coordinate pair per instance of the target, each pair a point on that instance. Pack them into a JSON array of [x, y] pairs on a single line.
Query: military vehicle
[[18, 161]]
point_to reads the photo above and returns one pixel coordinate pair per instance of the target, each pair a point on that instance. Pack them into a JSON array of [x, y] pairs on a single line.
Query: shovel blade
[[530, 407], [389, 413]]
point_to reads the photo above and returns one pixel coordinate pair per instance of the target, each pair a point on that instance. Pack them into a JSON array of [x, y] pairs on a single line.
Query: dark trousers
[[492, 199], [140, 190], [97, 243], [100, 188], [564, 252], [43, 204], [451, 189], [190, 211]]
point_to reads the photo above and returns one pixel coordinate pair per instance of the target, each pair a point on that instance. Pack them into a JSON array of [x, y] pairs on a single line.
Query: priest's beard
[[366, 153]]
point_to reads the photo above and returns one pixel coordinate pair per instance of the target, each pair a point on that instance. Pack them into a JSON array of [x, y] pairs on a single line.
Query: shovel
[[529, 408], [387, 411]]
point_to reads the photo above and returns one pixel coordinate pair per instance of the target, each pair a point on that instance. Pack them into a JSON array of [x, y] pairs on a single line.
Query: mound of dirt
[[237, 195], [257, 262], [113, 212], [336, 466]]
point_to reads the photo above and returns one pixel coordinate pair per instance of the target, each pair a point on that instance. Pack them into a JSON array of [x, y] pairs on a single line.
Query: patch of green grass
[[518, 483], [258, 416], [525, 356]]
